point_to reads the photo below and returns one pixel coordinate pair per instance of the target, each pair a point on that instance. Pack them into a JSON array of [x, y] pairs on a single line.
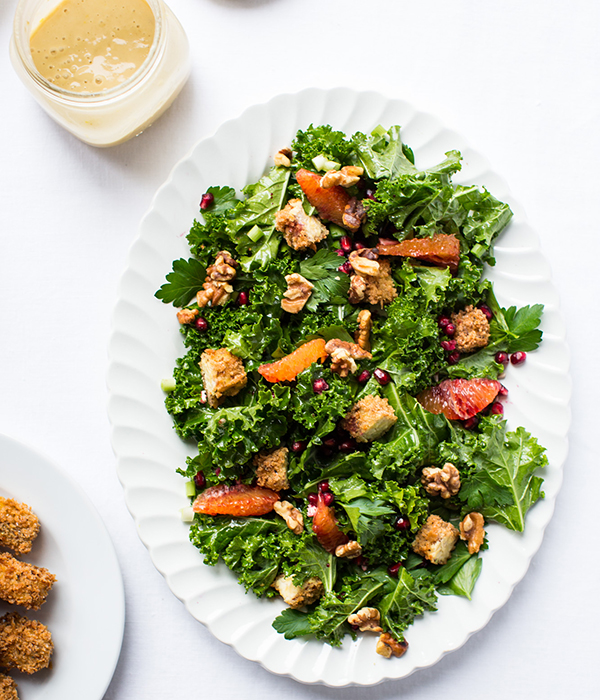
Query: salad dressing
[[93, 45]]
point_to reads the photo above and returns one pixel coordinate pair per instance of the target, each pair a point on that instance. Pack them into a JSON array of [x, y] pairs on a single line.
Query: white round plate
[[145, 343], [85, 610]]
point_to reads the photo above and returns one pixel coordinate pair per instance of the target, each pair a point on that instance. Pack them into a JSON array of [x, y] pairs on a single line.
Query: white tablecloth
[[520, 81]]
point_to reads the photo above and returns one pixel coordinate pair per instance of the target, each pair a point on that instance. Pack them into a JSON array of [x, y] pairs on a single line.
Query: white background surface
[[520, 82]]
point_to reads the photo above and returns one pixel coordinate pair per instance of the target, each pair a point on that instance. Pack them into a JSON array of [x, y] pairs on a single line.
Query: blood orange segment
[[329, 202], [325, 527], [239, 500], [443, 250], [290, 366], [459, 399]]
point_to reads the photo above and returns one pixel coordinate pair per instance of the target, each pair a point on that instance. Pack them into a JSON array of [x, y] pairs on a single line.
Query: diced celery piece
[[255, 233], [187, 514], [190, 489], [321, 162], [168, 385]]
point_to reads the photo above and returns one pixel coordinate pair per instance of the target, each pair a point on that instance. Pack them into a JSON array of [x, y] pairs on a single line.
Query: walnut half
[[472, 532], [297, 294], [346, 177], [443, 482], [363, 333], [343, 356], [216, 289], [292, 516], [366, 619], [388, 646], [350, 550]]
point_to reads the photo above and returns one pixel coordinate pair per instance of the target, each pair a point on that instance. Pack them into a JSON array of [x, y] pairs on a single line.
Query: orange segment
[[325, 527], [240, 500], [442, 250], [329, 202], [459, 399], [290, 366]]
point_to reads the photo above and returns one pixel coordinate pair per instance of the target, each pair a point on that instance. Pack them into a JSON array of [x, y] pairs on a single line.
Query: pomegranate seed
[[319, 386], [323, 486], [340, 252], [200, 480], [487, 311], [453, 357], [370, 194], [328, 498], [330, 442], [497, 409], [208, 199], [346, 244], [299, 446], [359, 246], [394, 569], [217, 471], [448, 345], [354, 627], [364, 376], [313, 499], [242, 299], [502, 391], [346, 268], [347, 446], [311, 510], [201, 324], [517, 358], [449, 329], [501, 358], [402, 523], [382, 376], [443, 321], [471, 423]]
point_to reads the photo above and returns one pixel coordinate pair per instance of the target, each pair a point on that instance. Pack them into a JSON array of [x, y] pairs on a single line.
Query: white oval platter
[[145, 343]]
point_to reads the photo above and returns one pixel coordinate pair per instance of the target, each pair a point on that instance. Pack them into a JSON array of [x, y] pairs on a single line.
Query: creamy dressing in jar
[[105, 77], [93, 45]]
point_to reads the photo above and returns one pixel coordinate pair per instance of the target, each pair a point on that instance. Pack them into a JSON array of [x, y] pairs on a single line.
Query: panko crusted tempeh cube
[[22, 583], [8, 688], [24, 644], [19, 525], [223, 375]]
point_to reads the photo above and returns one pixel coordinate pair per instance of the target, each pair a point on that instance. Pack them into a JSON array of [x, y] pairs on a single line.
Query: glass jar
[[114, 115]]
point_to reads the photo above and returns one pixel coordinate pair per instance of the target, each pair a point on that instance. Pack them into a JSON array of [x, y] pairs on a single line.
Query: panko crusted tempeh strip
[[24, 644], [22, 583], [19, 525]]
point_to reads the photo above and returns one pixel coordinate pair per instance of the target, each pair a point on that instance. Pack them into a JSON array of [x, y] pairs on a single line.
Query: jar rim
[[22, 35]]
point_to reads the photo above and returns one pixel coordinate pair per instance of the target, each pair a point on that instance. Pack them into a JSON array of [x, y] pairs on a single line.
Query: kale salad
[[341, 380]]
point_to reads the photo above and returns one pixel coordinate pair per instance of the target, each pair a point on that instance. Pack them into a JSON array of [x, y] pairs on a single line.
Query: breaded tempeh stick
[[24, 644], [8, 688], [19, 525], [23, 584]]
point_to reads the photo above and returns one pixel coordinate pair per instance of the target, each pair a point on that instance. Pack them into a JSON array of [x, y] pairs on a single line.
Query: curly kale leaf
[[254, 548], [230, 436], [409, 595], [321, 141], [383, 155], [328, 620], [319, 413], [412, 441]]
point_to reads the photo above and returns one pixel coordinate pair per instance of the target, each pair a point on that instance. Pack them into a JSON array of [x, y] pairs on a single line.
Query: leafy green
[[182, 284], [410, 595], [515, 329]]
